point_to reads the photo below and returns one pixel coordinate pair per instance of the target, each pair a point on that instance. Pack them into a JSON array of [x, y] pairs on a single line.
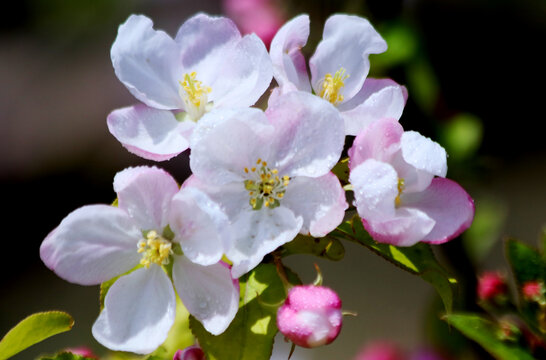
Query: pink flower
[[400, 190], [207, 65], [190, 353], [491, 285], [261, 17], [339, 68], [83, 351], [380, 350], [311, 316], [154, 225], [533, 290], [270, 173]]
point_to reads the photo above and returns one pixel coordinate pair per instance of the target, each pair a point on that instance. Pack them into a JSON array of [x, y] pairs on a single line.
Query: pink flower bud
[[190, 353], [310, 316], [82, 351], [491, 285], [380, 350], [533, 290]]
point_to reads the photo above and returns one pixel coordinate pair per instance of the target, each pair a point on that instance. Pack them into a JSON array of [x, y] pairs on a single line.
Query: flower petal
[[145, 193], [448, 204], [426, 157], [319, 201], [238, 70], [289, 68], [138, 312], [309, 134], [91, 245], [346, 43], [406, 228], [200, 225], [226, 141], [208, 292], [257, 233], [150, 133], [380, 141], [148, 62], [375, 189], [378, 99]]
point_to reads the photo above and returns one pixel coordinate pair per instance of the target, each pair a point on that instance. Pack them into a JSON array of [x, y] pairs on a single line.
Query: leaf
[[526, 262], [33, 329], [250, 335], [66, 356], [417, 259], [484, 332], [325, 247]]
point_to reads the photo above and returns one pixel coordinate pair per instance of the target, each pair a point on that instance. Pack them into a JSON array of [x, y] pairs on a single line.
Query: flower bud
[[491, 285], [190, 353], [380, 350], [533, 291], [310, 316]]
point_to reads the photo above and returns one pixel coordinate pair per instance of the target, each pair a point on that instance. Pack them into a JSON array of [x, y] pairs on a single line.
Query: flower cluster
[[259, 177]]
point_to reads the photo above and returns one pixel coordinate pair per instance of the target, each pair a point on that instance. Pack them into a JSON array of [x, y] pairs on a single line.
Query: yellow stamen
[[155, 249], [331, 86], [397, 200]]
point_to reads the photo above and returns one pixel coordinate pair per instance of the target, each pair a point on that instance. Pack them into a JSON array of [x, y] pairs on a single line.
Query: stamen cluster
[[155, 249], [267, 188], [331, 86]]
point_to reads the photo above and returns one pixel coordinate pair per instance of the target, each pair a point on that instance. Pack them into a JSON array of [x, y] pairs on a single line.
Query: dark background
[[485, 58]]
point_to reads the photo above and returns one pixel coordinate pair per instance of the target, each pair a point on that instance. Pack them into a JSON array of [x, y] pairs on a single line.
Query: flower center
[[266, 187], [397, 200], [331, 86], [194, 95], [154, 249]]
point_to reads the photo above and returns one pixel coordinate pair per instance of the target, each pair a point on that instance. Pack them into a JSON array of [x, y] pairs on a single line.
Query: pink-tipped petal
[[208, 292], [200, 225], [380, 141], [309, 134], [150, 133], [92, 244], [145, 193], [319, 201], [448, 204], [138, 312], [289, 68], [148, 63], [378, 99], [346, 43]]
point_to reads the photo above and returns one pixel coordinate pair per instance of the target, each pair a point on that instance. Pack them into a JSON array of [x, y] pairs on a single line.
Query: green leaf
[[484, 332], [250, 335], [526, 262], [325, 247], [33, 329], [66, 356], [417, 259]]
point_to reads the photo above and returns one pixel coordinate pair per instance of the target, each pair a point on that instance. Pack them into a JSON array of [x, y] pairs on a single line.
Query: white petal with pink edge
[[150, 133], [92, 244], [147, 62], [138, 312], [208, 292], [319, 201], [145, 193]]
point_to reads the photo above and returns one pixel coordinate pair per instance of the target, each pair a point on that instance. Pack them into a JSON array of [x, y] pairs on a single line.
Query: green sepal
[[34, 329], [417, 259], [485, 333], [250, 336], [325, 247], [66, 356]]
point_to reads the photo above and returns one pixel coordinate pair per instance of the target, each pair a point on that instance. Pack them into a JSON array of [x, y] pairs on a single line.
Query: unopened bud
[[311, 316], [190, 353], [491, 285]]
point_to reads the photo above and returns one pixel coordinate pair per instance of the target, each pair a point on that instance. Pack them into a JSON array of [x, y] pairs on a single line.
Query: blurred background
[[474, 70]]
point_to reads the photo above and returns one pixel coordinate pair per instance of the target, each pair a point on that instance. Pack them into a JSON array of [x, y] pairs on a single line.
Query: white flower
[[207, 65], [271, 172], [95, 243], [339, 68]]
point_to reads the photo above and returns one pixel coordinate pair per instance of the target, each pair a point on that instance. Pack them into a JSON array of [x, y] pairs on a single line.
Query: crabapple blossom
[[270, 172], [400, 190], [311, 316], [339, 68], [149, 228], [207, 65]]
